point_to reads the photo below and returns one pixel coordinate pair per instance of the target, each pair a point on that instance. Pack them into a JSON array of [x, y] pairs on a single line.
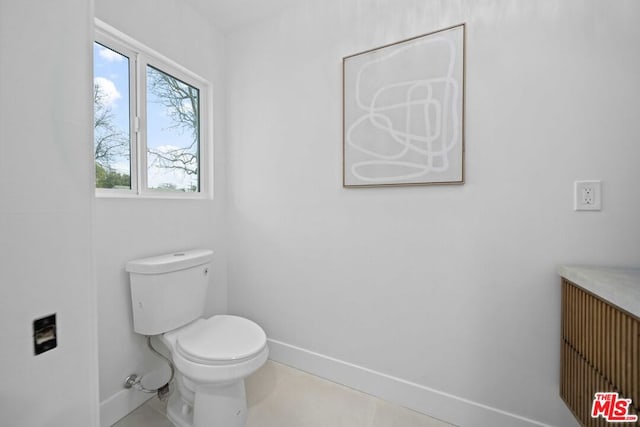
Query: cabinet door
[[600, 352]]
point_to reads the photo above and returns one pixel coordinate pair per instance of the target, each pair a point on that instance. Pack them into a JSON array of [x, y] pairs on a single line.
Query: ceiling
[[228, 15]]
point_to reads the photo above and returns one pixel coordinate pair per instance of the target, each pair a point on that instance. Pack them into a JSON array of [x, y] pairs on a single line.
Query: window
[[151, 132]]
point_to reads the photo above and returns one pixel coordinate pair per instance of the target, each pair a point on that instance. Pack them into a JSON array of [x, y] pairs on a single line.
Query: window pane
[[111, 118], [173, 133]]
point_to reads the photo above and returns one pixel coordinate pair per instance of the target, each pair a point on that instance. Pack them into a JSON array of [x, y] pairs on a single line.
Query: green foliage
[[167, 186], [108, 178]]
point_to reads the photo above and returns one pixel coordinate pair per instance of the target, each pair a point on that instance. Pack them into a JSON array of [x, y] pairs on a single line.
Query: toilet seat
[[220, 339]]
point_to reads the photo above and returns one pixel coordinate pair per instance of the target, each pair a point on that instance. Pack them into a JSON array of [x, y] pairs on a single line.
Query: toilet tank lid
[[170, 262]]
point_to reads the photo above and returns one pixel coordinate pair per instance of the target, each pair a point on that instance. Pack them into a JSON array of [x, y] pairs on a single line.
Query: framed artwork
[[403, 112]]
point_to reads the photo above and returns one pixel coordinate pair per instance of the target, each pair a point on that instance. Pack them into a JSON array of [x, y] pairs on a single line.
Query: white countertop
[[619, 286]]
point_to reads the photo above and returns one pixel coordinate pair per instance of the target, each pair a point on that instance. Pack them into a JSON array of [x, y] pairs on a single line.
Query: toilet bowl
[[212, 356]]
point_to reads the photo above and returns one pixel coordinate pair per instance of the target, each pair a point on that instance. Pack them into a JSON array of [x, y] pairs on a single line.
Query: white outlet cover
[[587, 195]]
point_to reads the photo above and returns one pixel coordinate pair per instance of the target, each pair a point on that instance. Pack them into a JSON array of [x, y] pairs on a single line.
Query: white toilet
[[212, 356]]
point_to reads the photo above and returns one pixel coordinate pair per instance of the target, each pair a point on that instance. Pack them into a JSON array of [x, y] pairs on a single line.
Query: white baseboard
[[120, 405], [438, 404]]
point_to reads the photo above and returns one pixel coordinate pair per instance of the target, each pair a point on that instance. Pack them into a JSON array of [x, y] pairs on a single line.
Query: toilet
[[212, 356]]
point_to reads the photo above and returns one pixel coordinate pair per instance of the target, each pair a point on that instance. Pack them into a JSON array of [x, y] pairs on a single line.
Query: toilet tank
[[168, 291]]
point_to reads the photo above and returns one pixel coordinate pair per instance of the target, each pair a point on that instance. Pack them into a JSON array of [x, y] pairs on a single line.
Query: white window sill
[[115, 194]]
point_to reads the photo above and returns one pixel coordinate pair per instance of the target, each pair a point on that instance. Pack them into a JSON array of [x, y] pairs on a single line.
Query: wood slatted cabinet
[[600, 348]]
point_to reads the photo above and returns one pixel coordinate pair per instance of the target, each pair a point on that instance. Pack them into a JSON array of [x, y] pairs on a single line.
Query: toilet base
[[223, 405], [179, 412]]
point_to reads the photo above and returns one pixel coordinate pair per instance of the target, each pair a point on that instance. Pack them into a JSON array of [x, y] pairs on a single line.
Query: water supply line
[[135, 380]]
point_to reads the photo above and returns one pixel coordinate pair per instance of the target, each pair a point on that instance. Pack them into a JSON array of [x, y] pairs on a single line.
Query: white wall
[[451, 287], [127, 229], [45, 213]]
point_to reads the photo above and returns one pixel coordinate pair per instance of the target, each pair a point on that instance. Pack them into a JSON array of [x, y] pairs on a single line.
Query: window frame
[[140, 56]]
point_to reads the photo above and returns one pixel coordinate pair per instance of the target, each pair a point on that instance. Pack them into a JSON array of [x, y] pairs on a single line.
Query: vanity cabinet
[[600, 348]]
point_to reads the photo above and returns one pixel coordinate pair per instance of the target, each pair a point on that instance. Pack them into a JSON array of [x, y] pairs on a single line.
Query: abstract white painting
[[404, 112]]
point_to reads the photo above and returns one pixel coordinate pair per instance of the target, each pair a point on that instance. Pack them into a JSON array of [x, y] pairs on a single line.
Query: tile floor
[[280, 396]]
